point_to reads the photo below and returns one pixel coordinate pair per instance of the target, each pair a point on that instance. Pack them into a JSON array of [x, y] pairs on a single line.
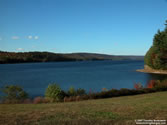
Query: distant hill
[[22, 57]]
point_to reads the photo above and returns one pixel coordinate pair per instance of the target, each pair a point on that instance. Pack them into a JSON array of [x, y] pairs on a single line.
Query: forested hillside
[[156, 57], [21, 57]]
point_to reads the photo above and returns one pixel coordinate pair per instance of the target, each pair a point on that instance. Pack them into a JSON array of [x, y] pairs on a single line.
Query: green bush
[[124, 91], [80, 92], [54, 93], [13, 94], [72, 92]]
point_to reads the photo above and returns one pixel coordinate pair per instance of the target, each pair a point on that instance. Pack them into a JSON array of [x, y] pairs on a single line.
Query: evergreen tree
[[156, 57]]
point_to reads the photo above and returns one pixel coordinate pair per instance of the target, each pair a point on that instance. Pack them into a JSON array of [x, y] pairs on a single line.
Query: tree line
[[156, 57], [22, 57]]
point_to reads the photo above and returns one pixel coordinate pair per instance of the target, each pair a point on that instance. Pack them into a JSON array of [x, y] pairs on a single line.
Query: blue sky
[[119, 27]]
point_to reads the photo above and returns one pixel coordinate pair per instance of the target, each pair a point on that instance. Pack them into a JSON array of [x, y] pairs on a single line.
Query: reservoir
[[89, 75]]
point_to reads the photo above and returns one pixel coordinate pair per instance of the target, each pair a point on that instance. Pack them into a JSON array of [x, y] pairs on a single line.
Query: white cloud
[[29, 37], [33, 37], [20, 49], [36, 37], [15, 37]]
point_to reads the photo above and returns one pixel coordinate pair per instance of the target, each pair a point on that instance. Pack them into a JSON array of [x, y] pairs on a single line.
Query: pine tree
[[156, 57]]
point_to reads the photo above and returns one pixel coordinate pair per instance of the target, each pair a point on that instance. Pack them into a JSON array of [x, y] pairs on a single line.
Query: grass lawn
[[118, 110]]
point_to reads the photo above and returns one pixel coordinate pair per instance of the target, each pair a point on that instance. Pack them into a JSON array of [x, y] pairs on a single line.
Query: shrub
[[54, 93], [107, 94], [78, 98], [92, 96], [66, 99], [138, 86], [71, 98], [104, 89], [63, 94], [161, 84], [14, 94], [114, 92], [151, 84], [27, 101], [161, 88], [72, 92], [84, 97], [38, 100], [149, 90], [80, 92], [45, 100], [124, 92]]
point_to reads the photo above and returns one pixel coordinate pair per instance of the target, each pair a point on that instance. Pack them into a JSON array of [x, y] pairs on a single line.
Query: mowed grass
[[118, 110]]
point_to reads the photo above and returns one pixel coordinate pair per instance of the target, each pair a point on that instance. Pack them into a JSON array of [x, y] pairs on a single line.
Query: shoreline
[[152, 71]]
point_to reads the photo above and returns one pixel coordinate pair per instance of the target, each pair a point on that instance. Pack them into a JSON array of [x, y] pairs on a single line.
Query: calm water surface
[[94, 75]]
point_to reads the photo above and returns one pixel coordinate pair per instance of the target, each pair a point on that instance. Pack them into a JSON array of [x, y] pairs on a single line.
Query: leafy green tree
[[156, 57], [13, 92], [54, 92], [72, 92]]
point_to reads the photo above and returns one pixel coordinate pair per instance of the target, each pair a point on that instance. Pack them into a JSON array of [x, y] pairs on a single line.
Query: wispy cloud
[[30, 37], [15, 37], [20, 49], [36, 37], [33, 37]]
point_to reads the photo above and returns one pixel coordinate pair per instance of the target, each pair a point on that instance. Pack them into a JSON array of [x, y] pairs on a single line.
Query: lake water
[[90, 75]]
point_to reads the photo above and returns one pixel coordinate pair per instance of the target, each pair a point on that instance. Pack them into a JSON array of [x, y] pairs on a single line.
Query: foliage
[[27, 101], [104, 89], [22, 57], [13, 93], [38, 100], [138, 86], [151, 84], [71, 91], [54, 93], [80, 92], [156, 57]]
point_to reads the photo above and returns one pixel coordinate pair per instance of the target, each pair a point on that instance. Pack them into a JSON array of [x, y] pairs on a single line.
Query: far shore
[[152, 71]]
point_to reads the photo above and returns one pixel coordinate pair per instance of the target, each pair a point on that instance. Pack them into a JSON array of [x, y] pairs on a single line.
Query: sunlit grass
[[103, 111]]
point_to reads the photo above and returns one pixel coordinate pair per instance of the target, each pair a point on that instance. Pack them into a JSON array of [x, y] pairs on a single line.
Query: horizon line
[[72, 53]]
